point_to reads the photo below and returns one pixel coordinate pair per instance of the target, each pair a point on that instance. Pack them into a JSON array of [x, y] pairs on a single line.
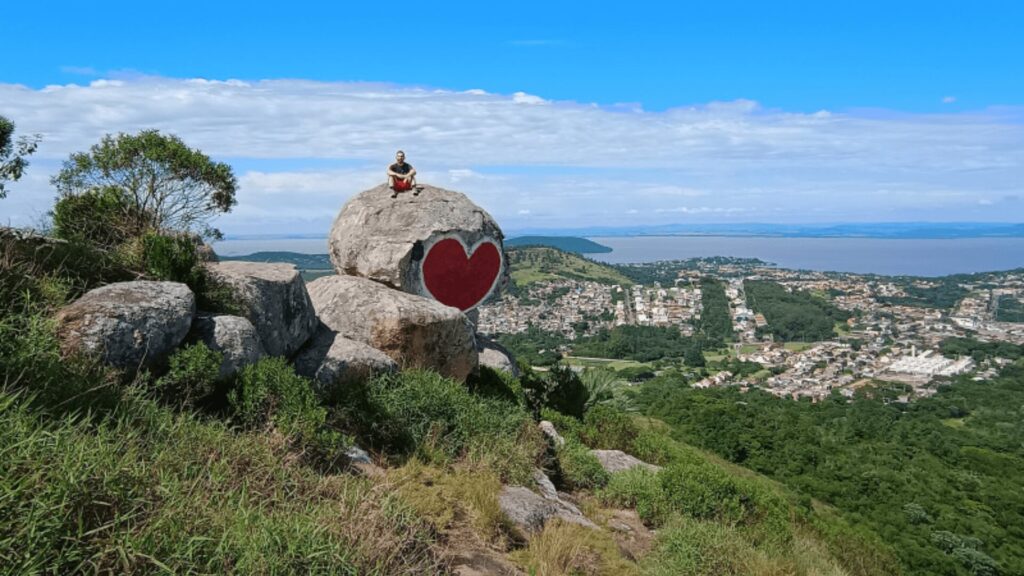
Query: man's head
[[400, 157]]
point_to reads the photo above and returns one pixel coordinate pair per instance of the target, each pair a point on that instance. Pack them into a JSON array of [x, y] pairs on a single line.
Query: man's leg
[[416, 188], [391, 186]]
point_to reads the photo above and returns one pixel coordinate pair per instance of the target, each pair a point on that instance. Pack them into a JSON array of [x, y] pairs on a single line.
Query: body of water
[[246, 247], [914, 257]]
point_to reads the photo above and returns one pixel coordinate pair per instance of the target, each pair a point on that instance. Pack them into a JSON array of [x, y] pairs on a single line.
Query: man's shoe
[[417, 190], [394, 194]]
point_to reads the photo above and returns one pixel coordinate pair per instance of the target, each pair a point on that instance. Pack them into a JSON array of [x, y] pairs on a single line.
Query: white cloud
[[949, 99], [300, 148]]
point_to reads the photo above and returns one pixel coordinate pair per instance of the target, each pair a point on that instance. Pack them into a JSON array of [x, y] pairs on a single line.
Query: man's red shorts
[[402, 185]]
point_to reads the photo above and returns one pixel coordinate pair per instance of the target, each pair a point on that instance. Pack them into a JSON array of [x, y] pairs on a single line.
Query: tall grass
[[148, 491]]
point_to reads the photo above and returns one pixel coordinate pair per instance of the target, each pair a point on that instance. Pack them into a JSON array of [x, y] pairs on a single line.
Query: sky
[[548, 114]]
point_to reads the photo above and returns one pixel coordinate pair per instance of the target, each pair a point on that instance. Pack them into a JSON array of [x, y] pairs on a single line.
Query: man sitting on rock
[[402, 177]]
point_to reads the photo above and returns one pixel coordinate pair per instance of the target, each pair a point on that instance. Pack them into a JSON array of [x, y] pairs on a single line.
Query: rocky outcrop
[[530, 511], [332, 360], [414, 331], [233, 336], [495, 356], [273, 297], [438, 245], [554, 438], [128, 324], [616, 461]]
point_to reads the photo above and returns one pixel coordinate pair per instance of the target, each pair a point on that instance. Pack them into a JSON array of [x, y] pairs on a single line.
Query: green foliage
[[715, 319], [793, 316], [1009, 309], [578, 469], [101, 217], [942, 293], [608, 428], [13, 154], [881, 464], [171, 258], [978, 350], [191, 377], [150, 492], [437, 419], [566, 393], [535, 347], [167, 185], [270, 394], [640, 343], [563, 243]]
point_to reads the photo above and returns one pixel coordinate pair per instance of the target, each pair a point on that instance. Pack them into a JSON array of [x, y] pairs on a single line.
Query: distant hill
[[541, 264], [301, 261], [564, 243]]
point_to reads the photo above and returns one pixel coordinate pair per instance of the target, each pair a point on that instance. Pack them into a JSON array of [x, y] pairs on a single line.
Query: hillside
[[541, 264], [564, 243], [182, 470]]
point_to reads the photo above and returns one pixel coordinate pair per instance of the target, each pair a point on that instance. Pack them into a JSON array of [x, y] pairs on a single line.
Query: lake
[[916, 257]]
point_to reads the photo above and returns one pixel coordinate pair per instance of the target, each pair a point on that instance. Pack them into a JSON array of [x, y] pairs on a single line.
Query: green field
[[604, 363]]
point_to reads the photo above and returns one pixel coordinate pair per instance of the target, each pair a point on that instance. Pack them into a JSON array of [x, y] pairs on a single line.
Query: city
[[882, 340]]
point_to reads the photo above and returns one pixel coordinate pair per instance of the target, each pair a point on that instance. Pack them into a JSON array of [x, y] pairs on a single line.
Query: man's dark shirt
[[402, 169]]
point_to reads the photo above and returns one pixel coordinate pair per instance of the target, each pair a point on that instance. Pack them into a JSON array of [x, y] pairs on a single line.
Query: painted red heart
[[454, 277]]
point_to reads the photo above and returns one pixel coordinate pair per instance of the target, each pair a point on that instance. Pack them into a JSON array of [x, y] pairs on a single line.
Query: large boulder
[[529, 511], [233, 336], [617, 461], [273, 297], [496, 356], [415, 332], [128, 324], [438, 244], [332, 360]]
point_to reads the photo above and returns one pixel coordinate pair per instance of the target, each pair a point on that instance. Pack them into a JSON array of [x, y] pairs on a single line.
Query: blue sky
[[552, 113]]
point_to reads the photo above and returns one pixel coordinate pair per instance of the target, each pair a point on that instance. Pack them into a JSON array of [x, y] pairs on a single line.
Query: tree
[[13, 153], [168, 186]]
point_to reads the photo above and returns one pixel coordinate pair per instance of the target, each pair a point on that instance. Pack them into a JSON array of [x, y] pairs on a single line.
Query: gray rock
[[544, 484], [233, 336], [357, 454], [495, 356], [414, 331], [530, 511], [273, 297], [552, 434], [617, 461], [128, 324], [385, 239], [332, 360]]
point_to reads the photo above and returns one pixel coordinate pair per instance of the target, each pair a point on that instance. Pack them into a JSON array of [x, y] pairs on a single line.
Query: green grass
[[147, 491], [798, 346]]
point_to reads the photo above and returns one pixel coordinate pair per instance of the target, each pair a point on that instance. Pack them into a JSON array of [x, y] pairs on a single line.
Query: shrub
[[566, 392], [640, 489], [171, 258], [564, 548], [422, 413], [608, 428], [192, 375], [578, 468], [102, 217], [269, 393]]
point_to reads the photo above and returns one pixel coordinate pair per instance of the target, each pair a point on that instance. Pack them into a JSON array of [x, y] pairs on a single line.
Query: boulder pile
[[410, 273]]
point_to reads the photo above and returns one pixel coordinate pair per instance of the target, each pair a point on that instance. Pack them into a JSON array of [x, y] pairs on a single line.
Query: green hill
[[542, 264], [565, 243]]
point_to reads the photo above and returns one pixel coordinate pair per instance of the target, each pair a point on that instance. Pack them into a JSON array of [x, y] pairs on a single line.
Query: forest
[[792, 316], [938, 479]]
